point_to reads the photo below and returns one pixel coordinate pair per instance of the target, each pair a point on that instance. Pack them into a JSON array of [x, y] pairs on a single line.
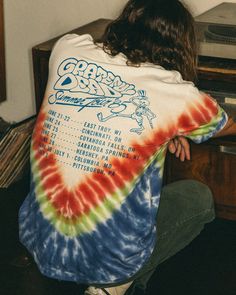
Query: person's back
[[99, 146]]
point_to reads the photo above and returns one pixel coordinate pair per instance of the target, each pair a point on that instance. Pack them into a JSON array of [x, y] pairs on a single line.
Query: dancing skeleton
[[141, 102]]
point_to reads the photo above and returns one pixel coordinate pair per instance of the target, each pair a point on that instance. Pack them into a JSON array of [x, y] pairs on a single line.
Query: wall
[[30, 22], [199, 6]]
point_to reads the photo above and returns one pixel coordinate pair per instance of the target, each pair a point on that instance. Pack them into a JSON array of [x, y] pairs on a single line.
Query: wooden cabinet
[[213, 162]]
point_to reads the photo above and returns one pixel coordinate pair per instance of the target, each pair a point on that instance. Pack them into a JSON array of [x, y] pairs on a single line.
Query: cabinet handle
[[227, 149]]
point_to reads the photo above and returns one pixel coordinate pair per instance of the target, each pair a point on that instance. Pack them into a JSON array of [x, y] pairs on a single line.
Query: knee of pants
[[199, 193], [184, 199]]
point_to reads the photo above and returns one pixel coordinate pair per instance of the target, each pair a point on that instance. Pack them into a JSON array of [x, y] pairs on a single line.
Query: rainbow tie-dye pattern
[[101, 227]]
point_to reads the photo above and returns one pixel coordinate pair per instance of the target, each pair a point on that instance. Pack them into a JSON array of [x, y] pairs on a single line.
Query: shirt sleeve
[[203, 117]]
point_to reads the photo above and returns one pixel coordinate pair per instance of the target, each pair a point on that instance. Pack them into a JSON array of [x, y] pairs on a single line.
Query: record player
[[216, 35], [216, 31]]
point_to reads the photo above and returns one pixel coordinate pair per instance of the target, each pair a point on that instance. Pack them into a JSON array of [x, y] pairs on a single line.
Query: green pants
[[185, 207]]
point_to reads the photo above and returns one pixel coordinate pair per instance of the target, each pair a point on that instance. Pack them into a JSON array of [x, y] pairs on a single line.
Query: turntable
[[216, 31], [216, 35]]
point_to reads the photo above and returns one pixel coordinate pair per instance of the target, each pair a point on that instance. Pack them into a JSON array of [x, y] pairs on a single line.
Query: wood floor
[[206, 267]]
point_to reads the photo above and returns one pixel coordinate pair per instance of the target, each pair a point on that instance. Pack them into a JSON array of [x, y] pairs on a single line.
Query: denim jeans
[[185, 207]]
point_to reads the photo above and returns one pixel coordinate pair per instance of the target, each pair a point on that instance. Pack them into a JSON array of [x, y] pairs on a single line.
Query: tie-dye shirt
[[97, 157]]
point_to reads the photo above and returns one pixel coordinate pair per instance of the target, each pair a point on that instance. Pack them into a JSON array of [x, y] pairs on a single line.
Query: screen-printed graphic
[[88, 143]]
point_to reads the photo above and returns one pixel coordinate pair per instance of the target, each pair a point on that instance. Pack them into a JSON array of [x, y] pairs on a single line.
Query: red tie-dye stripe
[[198, 114], [83, 197], [211, 105]]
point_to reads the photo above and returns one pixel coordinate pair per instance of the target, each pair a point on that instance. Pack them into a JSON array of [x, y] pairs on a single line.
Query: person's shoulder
[[190, 93], [68, 45], [187, 87], [73, 40], [174, 80]]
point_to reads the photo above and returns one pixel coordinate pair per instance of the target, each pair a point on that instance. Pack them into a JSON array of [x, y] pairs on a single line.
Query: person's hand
[[180, 147]]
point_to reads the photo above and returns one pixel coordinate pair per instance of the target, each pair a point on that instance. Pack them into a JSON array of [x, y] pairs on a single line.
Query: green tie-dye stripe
[[87, 221], [205, 129]]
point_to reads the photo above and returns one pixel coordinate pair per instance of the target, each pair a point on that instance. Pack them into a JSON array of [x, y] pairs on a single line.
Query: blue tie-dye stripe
[[115, 251], [212, 129]]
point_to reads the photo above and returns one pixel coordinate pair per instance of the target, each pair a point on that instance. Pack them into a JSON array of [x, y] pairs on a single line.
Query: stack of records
[[14, 150]]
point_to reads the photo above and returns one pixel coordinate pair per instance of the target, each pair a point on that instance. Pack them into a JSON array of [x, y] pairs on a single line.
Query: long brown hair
[[156, 31]]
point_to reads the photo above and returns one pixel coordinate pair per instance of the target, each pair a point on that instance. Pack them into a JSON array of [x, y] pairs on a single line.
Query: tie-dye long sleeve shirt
[[97, 157]]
